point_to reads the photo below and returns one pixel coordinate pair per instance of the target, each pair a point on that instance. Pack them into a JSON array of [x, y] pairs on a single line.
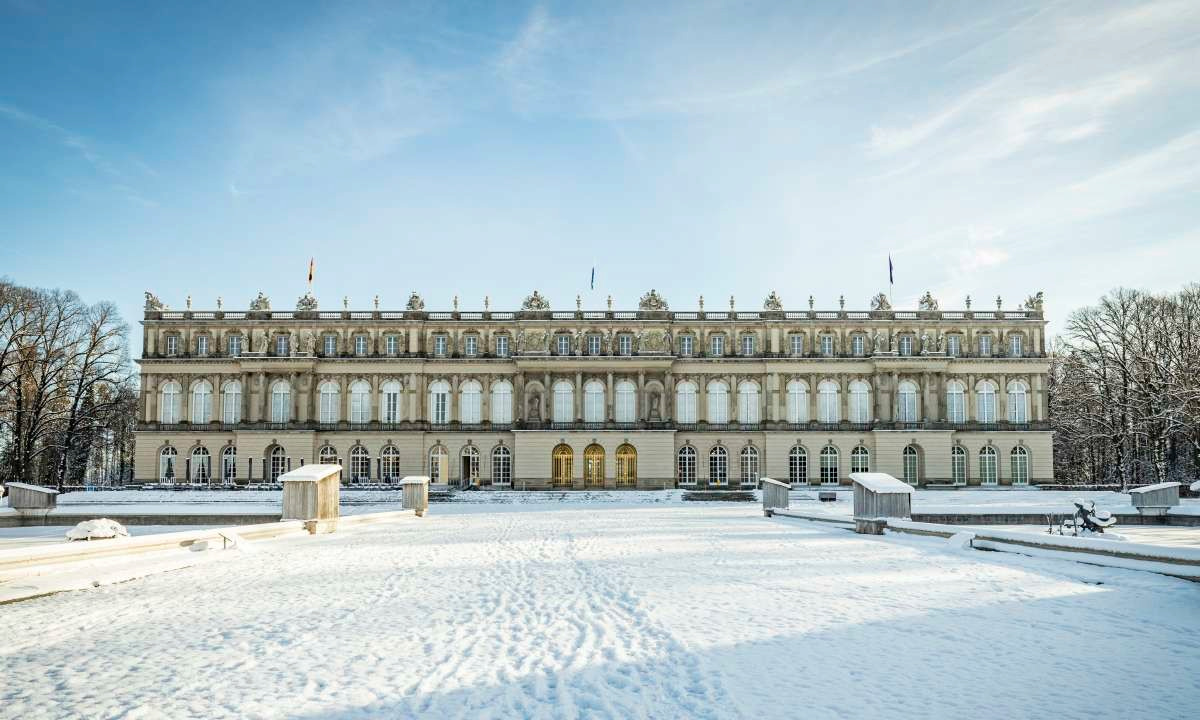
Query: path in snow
[[620, 611]]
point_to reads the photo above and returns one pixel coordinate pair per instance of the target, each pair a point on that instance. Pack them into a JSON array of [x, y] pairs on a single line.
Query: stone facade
[[659, 396]]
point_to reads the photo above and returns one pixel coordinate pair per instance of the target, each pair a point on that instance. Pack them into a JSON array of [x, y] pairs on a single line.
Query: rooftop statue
[[415, 303], [1035, 302], [773, 302], [927, 302], [535, 302], [262, 303], [881, 302], [306, 303], [153, 303], [652, 301]]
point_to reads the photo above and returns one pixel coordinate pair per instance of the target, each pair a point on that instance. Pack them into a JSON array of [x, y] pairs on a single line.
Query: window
[[471, 345], [685, 345], [906, 345], [718, 466], [470, 398], [797, 344], [1020, 465], [717, 345], [327, 456], [501, 466], [748, 406], [685, 403], [626, 466], [985, 345], [956, 402], [172, 344], [330, 345], [718, 402], [1015, 345], [827, 345], [439, 402], [625, 344], [360, 464], [987, 465], [502, 345], [829, 465], [858, 345], [281, 346], [563, 344], [437, 464], [828, 409], [502, 403], [201, 465], [166, 464], [201, 405], [389, 464], [860, 402], [439, 345], [278, 464], [360, 402], [797, 466], [169, 402], [953, 345], [360, 345], [231, 402], [389, 402], [593, 344], [391, 344], [748, 345], [797, 402], [281, 402], [625, 403], [202, 345], [1018, 402], [860, 460], [562, 461], [469, 466], [593, 401], [229, 464], [912, 465], [685, 466], [906, 402], [564, 402], [328, 394], [958, 465], [235, 345], [985, 401], [750, 466]]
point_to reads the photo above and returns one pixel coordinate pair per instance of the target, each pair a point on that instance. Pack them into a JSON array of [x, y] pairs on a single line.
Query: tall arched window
[[231, 402], [278, 464], [329, 401], [166, 464], [470, 402], [389, 464], [201, 465], [626, 466], [906, 402], [718, 466], [389, 402], [502, 403], [201, 405], [360, 464], [593, 401], [748, 407], [828, 404], [1018, 402], [439, 402], [956, 402], [562, 461], [686, 465], [985, 401], [829, 465], [797, 402], [593, 466], [169, 402], [958, 465], [625, 402], [469, 475], [281, 402], [860, 460], [797, 465], [718, 402], [749, 466], [912, 465], [437, 463], [327, 455], [1019, 458], [229, 464], [860, 402], [685, 404], [564, 402], [360, 402], [501, 466], [987, 466]]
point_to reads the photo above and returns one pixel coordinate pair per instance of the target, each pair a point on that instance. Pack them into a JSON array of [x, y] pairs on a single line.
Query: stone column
[[812, 397], [701, 400], [609, 399], [1002, 400], [643, 413], [578, 396]]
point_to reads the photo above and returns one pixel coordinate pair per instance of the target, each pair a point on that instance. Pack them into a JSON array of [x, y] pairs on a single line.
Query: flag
[[891, 276], [312, 266], [593, 277]]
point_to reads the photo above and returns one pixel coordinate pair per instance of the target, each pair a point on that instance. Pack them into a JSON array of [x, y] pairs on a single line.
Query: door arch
[[562, 459], [593, 466], [626, 466]]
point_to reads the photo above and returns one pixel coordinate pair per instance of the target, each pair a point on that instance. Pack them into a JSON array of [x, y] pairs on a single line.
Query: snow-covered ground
[[639, 610]]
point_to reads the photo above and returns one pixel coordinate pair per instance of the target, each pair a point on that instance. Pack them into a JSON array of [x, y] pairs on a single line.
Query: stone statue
[[189, 302], [731, 303], [941, 342], [999, 302], [306, 303], [878, 342], [153, 304], [654, 403], [841, 302], [535, 407], [578, 343], [220, 304], [701, 303], [487, 303], [455, 302], [376, 302], [610, 302], [927, 303], [415, 303], [1035, 302], [310, 342], [345, 302], [924, 343], [968, 302], [773, 303], [578, 303], [264, 339], [810, 302], [892, 344], [535, 302], [606, 341], [880, 302], [292, 347], [262, 303], [652, 301]]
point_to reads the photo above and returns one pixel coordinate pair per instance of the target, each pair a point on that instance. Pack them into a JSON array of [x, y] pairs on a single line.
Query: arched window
[[860, 402], [229, 464], [278, 463], [829, 465], [360, 402], [987, 466], [797, 402], [956, 402], [748, 408], [1019, 459], [501, 466], [685, 405], [169, 402], [470, 399], [201, 405], [718, 402], [437, 463], [718, 466], [281, 402], [562, 460], [625, 409], [912, 465], [593, 401], [327, 455], [470, 466], [564, 402], [231, 402], [906, 402], [439, 402], [329, 402], [750, 466], [958, 465], [201, 465], [828, 405], [360, 464], [389, 464], [985, 401], [798, 465], [1018, 402], [166, 464], [389, 402], [593, 466], [626, 466], [502, 403], [686, 465]]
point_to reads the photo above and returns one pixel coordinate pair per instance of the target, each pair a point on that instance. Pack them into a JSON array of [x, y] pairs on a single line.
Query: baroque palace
[[542, 398]]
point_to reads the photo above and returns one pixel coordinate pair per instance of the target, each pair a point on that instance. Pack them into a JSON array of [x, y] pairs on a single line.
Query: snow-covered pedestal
[[23, 496], [1155, 499], [416, 493], [878, 496], [311, 493], [774, 495]]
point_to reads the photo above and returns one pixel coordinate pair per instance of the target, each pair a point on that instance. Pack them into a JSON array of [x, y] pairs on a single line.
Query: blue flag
[[891, 277], [593, 277]]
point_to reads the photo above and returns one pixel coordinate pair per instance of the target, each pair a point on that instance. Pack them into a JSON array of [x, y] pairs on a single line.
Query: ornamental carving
[[652, 301], [654, 341], [262, 303], [306, 303], [927, 302], [880, 302], [415, 303], [533, 341], [1033, 302], [153, 304], [773, 302], [535, 302]]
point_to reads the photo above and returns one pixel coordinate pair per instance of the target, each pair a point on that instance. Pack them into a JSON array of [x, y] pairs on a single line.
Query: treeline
[[1125, 390], [68, 394]]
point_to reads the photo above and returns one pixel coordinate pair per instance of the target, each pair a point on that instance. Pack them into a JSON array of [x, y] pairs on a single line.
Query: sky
[[701, 148]]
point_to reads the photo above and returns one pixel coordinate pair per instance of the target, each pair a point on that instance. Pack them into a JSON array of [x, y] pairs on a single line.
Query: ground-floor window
[[829, 465], [327, 455], [912, 465], [626, 466], [718, 466], [797, 466], [470, 466], [1020, 466], [987, 466], [166, 464], [750, 466], [501, 466], [437, 464], [860, 460], [562, 459], [593, 466], [278, 464], [360, 464], [389, 464], [201, 465], [958, 465], [686, 466], [229, 464]]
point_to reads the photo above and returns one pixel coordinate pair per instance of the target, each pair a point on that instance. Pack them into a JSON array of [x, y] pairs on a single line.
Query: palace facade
[[541, 398]]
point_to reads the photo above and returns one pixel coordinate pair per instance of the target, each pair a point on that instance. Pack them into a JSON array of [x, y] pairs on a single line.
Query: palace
[[542, 398]]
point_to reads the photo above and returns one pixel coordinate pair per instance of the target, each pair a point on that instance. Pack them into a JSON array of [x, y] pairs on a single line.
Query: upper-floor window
[[717, 345], [625, 402], [328, 402], [953, 345], [748, 345], [1018, 402], [1015, 346], [860, 402], [201, 403], [281, 402], [593, 401], [202, 345], [235, 345], [501, 404], [625, 344], [858, 345], [827, 345], [906, 402], [360, 402], [748, 403], [172, 344], [563, 408], [563, 344], [389, 402], [985, 402], [470, 396], [502, 345], [685, 402], [360, 345], [281, 346], [797, 401], [471, 345], [685, 345], [718, 402], [906, 344], [439, 345], [797, 342], [231, 402], [956, 402], [985, 345], [593, 344], [391, 344], [169, 402], [828, 402], [439, 402], [330, 345]]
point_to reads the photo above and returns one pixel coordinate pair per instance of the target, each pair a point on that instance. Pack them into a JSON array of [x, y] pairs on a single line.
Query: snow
[[35, 488], [1153, 488], [882, 483], [627, 610], [309, 473], [98, 529]]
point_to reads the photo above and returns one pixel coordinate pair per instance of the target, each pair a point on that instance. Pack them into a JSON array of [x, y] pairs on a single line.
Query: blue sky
[[711, 148]]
